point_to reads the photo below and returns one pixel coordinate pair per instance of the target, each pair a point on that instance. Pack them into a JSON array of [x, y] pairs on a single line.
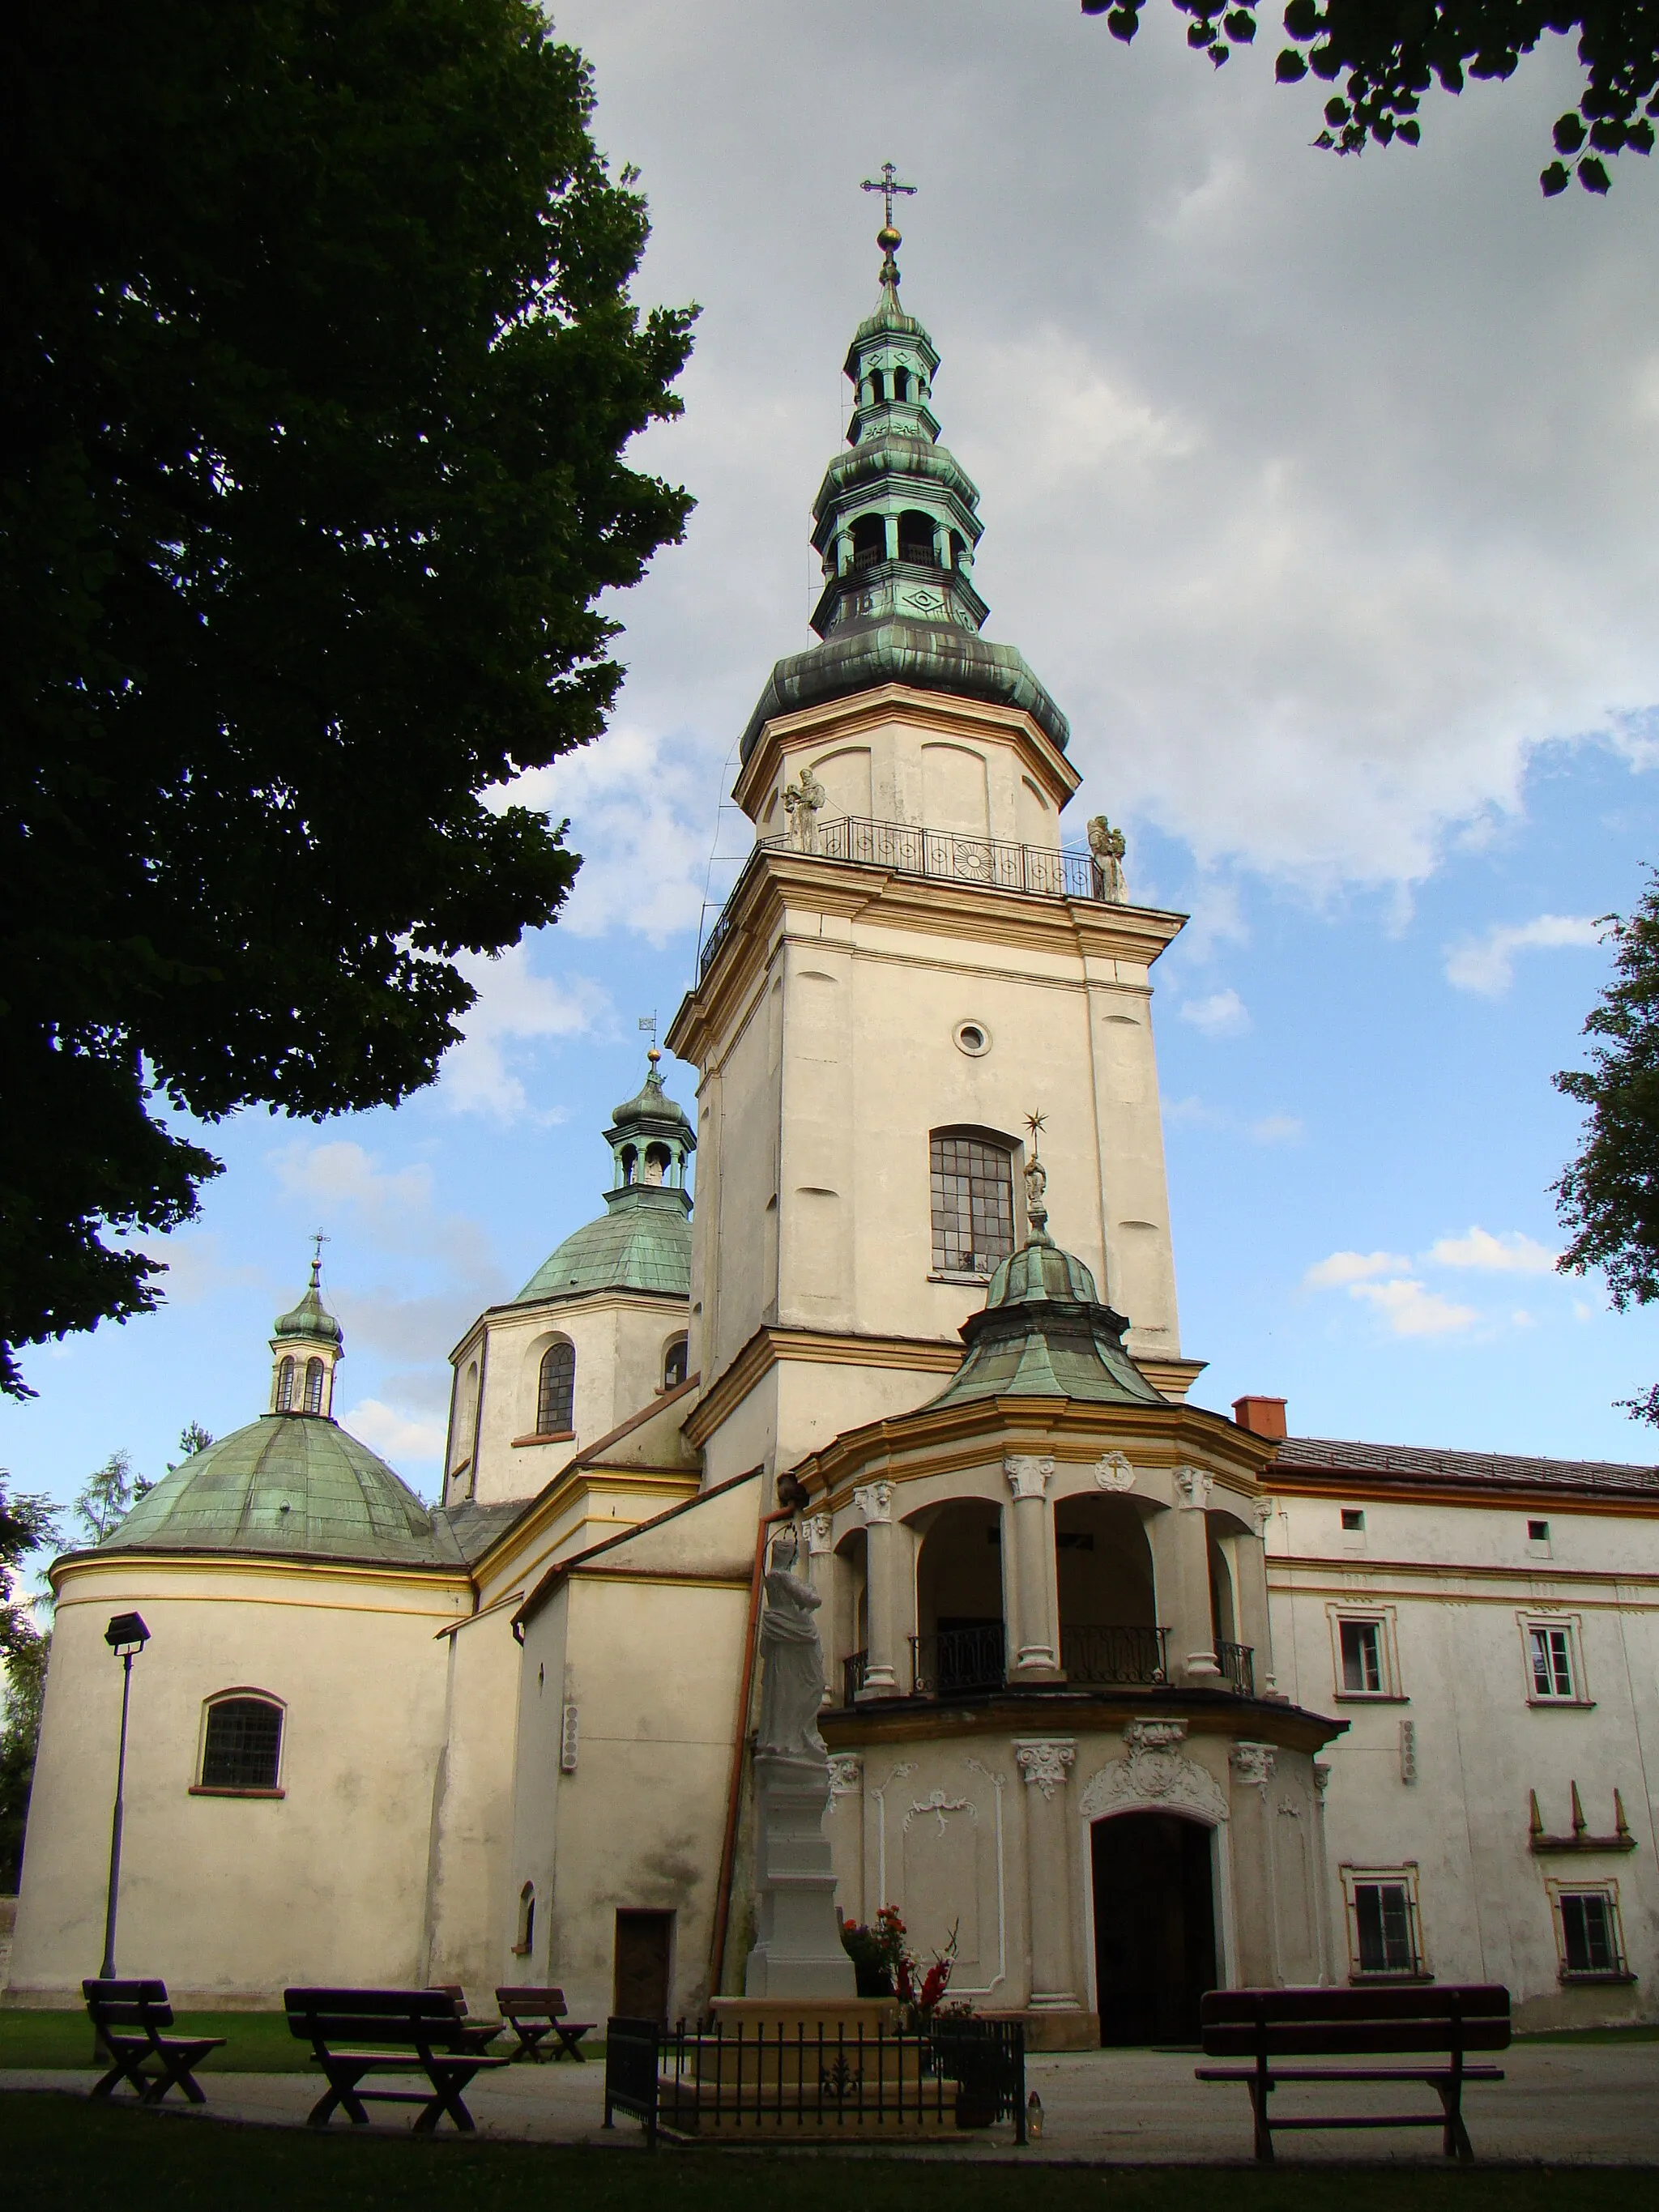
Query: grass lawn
[[255, 2042], [54, 2146]]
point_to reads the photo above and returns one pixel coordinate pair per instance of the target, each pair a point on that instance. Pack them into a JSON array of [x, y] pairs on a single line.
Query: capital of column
[[818, 1534], [1029, 1473], [1193, 1486], [846, 1774], [874, 1501], [1253, 1763], [1044, 1763]]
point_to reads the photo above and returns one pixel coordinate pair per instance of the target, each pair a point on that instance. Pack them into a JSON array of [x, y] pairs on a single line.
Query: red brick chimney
[[1262, 1417]]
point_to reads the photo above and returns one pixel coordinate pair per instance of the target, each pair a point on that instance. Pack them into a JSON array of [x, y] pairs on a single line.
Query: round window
[[973, 1038]]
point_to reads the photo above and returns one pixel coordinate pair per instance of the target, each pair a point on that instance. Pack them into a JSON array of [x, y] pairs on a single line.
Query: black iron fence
[[1115, 1655], [853, 1670], [752, 2080], [1237, 1665], [947, 855], [958, 1659]]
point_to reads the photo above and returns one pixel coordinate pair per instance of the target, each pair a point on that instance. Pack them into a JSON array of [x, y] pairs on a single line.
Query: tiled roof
[[1413, 1463]]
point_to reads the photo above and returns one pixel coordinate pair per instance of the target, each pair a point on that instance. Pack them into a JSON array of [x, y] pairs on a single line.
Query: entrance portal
[[1154, 1926], [645, 1944]]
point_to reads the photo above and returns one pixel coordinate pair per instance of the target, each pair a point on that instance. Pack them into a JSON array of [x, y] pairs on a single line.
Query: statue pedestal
[[797, 1949]]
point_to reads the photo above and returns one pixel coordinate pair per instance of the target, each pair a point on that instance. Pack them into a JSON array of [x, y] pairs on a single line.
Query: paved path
[[1562, 2103]]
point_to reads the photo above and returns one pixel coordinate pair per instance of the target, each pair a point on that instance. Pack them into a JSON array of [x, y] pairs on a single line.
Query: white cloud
[[400, 1440], [1344, 1267], [1487, 964], [1511, 1254], [1277, 1129], [1223, 1013], [341, 1174], [196, 1267], [1411, 1311], [1265, 1129], [483, 1074]]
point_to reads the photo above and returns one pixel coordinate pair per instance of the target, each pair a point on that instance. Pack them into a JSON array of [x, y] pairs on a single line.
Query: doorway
[[644, 1966], [1154, 1926]]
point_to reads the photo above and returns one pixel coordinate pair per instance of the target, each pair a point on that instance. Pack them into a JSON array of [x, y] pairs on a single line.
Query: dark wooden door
[[645, 1949], [1154, 1927]]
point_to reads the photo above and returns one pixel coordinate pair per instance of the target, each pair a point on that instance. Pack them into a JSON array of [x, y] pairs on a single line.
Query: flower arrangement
[[884, 1966]]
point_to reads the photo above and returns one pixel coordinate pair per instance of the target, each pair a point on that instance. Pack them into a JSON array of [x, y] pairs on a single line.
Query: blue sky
[[1321, 495]]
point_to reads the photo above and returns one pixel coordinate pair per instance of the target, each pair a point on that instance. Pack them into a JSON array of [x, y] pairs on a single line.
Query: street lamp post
[[126, 1637]]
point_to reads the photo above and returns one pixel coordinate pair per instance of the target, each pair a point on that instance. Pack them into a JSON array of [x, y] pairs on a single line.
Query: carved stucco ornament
[[1114, 1472], [846, 1774], [1029, 1473], [1193, 1486], [1156, 1776], [1044, 1765], [874, 1501], [1254, 1764], [818, 1529]]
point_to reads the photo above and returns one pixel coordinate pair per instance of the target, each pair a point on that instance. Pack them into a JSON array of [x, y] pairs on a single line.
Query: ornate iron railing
[[853, 1669], [958, 1659], [733, 2078], [1115, 1655], [1237, 1665], [905, 848]]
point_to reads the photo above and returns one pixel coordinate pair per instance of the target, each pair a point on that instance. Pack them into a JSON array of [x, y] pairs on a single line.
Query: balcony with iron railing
[[947, 1661], [905, 848]]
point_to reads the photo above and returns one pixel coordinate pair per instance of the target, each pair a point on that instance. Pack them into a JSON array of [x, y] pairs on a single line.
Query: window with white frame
[[1385, 1935], [1555, 1674], [1364, 1651], [1589, 1939]]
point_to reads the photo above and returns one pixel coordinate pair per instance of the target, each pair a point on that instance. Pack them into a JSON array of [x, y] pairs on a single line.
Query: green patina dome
[[311, 1318], [645, 1247], [287, 1483], [1043, 1332]]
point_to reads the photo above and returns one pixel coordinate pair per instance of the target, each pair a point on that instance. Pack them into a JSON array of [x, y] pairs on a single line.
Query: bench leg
[[1260, 2091], [123, 2069], [570, 2045], [342, 2085], [177, 2076], [445, 2097], [1455, 2137]]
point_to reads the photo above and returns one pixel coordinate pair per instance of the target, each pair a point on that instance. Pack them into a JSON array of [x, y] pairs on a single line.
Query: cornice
[[1064, 1709], [134, 1562], [1496, 1496], [1350, 1582], [770, 1345]]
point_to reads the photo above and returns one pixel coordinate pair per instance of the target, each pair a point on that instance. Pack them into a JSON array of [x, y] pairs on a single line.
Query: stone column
[[1045, 1763], [875, 1503], [1180, 1566], [1322, 1776], [1033, 1630], [820, 1572], [1252, 1766], [1250, 1602]]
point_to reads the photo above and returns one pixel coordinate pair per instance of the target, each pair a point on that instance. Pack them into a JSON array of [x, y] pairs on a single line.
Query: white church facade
[[1135, 1698]]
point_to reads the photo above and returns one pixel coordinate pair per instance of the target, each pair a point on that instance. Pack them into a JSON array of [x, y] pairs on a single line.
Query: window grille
[[285, 1386], [555, 1399], [1589, 1933], [973, 1205], [313, 1386], [1362, 1658], [1551, 1662], [1384, 1924], [242, 1747]]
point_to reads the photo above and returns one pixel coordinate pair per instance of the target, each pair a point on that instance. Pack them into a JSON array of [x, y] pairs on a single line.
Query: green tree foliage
[[192, 1438], [107, 1496], [26, 1524], [1608, 1197], [316, 367], [1386, 54]]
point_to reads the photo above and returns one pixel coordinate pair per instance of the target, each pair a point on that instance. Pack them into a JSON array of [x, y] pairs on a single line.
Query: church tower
[[909, 963]]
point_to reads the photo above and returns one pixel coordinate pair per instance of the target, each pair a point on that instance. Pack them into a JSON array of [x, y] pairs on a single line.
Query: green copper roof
[[895, 524], [287, 1483], [310, 1317], [1043, 1332], [643, 1243]]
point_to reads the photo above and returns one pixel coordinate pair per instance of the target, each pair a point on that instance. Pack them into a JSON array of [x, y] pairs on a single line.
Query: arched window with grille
[[313, 1386], [556, 1394], [242, 1743], [526, 1942], [674, 1363], [972, 1188], [285, 1386]]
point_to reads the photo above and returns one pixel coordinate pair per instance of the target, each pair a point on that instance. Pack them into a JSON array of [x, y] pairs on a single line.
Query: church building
[[1127, 1698]]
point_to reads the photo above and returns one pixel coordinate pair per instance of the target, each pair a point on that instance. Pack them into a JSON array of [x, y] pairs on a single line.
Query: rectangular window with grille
[[973, 1205], [242, 1745], [1552, 1676], [1384, 1933], [1590, 1941]]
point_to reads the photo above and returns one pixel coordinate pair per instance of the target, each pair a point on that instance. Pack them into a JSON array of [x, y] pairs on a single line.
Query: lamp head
[[127, 1635]]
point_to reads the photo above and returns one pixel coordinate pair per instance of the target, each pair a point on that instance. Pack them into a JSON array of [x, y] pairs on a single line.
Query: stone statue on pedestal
[[791, 1656]]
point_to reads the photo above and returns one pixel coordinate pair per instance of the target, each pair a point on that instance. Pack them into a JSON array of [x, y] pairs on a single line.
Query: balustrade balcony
[[1091, 1656], [958, 1659], [1237, 1665], [1115, 1655]]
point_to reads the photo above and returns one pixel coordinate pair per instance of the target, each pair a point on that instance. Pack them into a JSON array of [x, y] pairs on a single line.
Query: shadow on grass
[[58, 2146], [255, 2042]]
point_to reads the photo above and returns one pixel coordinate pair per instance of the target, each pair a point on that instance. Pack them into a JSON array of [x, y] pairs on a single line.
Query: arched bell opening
[[1108, 1627], [918, 538], [960, 1642]]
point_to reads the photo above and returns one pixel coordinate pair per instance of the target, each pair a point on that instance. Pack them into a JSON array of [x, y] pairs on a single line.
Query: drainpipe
[[739, 1734]]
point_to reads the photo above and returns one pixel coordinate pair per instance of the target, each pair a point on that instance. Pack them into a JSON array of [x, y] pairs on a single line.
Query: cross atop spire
[[887, 237], [319, 1238]]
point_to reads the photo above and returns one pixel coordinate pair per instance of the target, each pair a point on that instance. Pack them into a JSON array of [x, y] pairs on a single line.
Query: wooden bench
[[1264, 2026], [533, 2014], [127, 2020], [431, 2034]]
